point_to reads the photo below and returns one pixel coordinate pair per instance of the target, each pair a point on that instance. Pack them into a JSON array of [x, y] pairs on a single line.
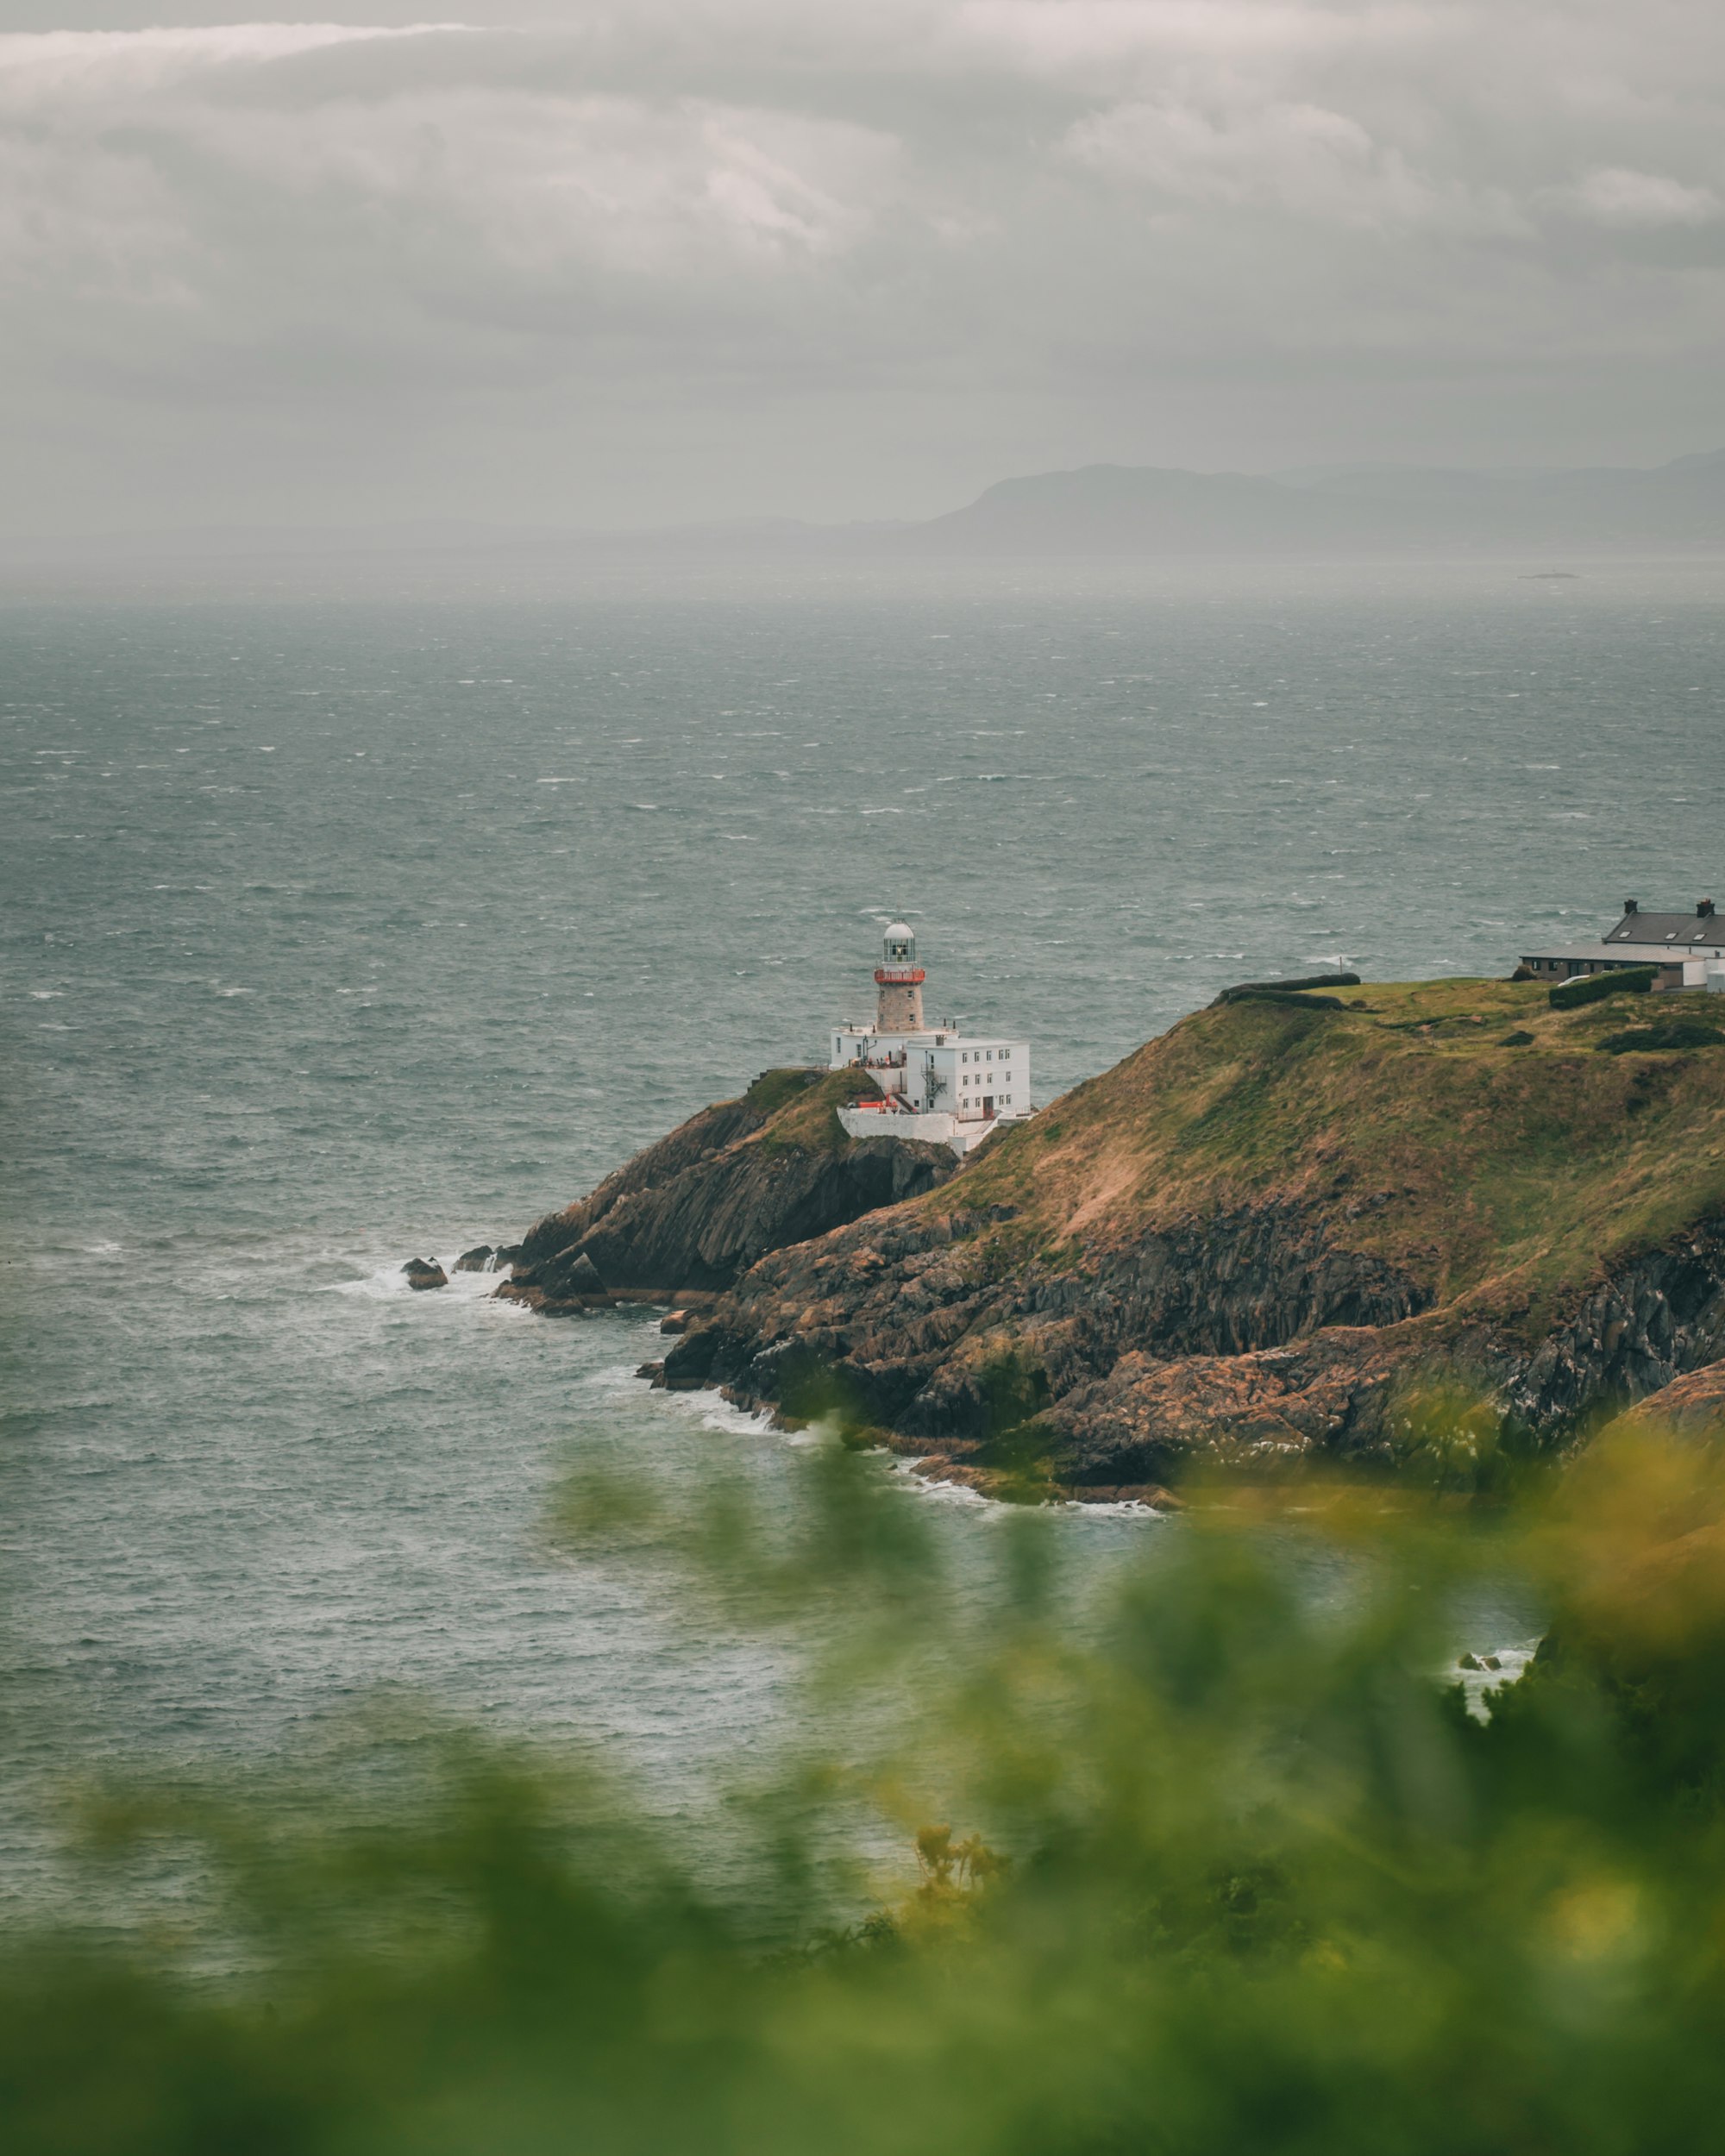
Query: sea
[[351, 919]]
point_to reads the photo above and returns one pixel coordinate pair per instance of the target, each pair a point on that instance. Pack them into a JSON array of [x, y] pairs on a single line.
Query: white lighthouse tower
[[934, 1083]]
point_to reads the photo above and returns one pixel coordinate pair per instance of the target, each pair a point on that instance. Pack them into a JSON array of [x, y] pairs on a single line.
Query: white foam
[[704, 1406], [375, 1287], [712, 1412], [1478, 1685], [946, 1493], [1115, 1508], [470, 1287], [390, 1283], [910, 1473]]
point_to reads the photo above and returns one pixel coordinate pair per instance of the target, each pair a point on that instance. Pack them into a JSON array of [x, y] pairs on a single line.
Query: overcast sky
[[627, 263]]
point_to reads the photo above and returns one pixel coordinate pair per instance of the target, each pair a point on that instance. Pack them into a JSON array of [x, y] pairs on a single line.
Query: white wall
[[985, 1068], [989, 1069]]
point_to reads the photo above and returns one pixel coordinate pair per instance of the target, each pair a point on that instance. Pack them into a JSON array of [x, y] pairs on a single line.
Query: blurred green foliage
[[1229, 1867]]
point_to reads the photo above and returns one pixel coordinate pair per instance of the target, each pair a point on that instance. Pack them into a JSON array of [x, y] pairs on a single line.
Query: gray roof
[[1693, 930]]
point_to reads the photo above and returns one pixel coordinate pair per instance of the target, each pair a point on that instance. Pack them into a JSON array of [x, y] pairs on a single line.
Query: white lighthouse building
[[934, 1083]]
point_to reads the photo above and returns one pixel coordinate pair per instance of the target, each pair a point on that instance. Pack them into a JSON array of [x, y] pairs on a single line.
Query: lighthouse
[[935, 1084], [897, 983]]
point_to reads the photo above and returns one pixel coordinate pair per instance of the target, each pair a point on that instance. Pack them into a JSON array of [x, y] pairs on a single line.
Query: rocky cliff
[[697, 1209], [1266, 1233]]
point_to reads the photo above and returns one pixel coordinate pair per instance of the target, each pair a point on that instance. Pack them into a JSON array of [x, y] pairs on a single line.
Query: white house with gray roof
[[1688, 949]]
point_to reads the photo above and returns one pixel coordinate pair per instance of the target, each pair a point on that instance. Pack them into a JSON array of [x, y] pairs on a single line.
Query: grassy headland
[[1462, 1130], [1254, 1234]]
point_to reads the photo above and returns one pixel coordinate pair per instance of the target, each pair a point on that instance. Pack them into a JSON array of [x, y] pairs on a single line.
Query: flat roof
[[935, 1036], [1621, 954]]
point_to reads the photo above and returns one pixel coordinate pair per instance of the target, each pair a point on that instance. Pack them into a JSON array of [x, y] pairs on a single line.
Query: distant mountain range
[[1103, 511], [1134, 509]]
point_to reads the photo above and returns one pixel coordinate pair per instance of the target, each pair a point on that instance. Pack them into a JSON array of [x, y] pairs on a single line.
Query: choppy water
[[341, 930]]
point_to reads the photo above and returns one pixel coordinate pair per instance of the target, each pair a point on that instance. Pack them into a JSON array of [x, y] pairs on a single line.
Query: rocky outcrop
[[422, 1273], [730, 1185], [916, 1312], [572, 1278], [1690, 1406], [925, 1342], [1657, 1314], [1151, 1416]]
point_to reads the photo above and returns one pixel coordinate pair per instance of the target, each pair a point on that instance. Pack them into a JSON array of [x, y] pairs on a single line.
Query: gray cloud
[[793, 255]]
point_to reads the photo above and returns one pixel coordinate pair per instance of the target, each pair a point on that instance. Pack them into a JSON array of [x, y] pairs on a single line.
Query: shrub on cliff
[[1247, 990], [1666, 1034], [1594, 987]]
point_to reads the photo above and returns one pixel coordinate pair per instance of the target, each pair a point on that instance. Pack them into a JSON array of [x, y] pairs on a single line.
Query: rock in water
[[477, 1260], [422, 1272]]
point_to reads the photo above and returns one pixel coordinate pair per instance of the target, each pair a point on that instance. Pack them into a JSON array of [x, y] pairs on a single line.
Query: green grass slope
[[802, 1116], [1500, 1151]]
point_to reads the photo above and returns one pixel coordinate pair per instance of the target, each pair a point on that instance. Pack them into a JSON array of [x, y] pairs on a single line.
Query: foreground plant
[[1217, 1862]]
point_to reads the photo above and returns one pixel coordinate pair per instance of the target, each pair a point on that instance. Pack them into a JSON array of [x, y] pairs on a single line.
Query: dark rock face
[[484, 1259], [912, 1316], [577, 1276], [1658, 1316], [1149, 1414], [422, 1273], [692, 1144], [1242, 1339], [696, 1211]]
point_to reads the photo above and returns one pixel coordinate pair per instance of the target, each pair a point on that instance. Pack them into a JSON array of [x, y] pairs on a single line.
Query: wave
[[389, 1284]]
